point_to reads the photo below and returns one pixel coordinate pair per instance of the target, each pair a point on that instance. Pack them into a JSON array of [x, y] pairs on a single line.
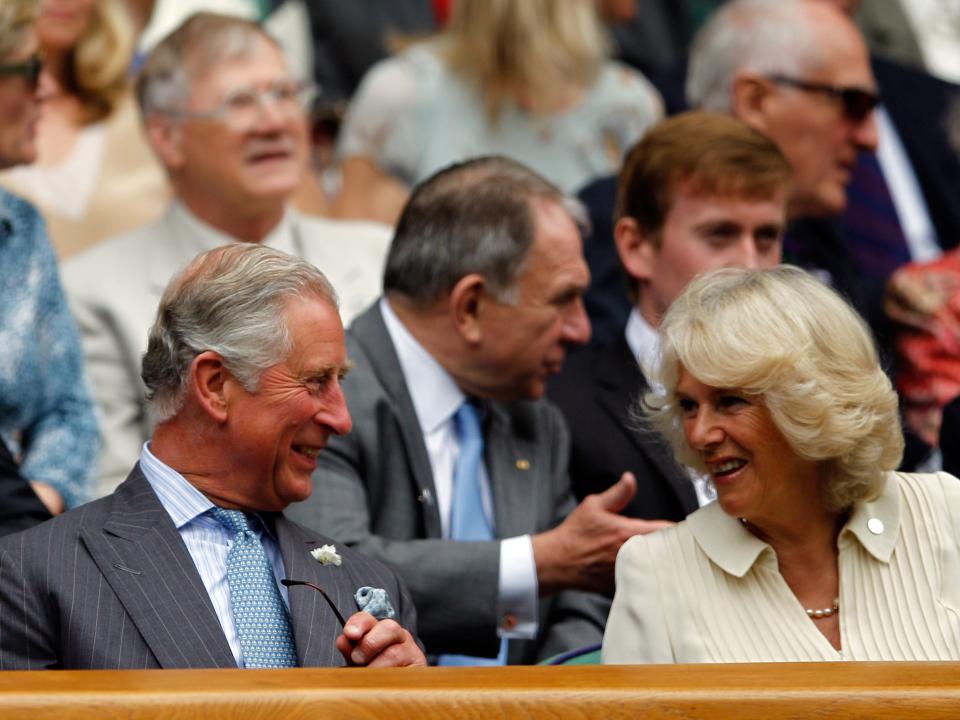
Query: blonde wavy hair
[[100, 61], [536, 50], [17, 17], [782, 336]]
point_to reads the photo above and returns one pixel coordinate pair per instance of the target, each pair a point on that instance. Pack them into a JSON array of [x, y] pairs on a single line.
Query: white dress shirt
[[644, 342], [436, 398], [207, 541], [918, 229]]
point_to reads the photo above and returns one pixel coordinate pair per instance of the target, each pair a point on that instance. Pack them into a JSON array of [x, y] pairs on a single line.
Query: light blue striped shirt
[[207, 541]]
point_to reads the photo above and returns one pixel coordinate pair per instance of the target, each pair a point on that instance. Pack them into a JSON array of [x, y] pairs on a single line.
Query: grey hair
[[230, 301], [201, 41], [472, 217], [16, 18], [761, 36]]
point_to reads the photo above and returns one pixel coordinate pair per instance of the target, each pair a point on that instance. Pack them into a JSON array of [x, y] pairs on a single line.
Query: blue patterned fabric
[[375, 601], [263, 623], [46, 415]]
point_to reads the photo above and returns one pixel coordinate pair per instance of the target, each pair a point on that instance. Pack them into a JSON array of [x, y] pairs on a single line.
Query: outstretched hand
[[581, 551]]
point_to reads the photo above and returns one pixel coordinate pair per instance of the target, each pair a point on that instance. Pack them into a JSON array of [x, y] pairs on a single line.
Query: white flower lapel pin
[[327, 555]]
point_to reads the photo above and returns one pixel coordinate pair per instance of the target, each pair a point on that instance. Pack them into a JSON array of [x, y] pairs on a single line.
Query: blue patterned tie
[[263, 625], [468, 521]]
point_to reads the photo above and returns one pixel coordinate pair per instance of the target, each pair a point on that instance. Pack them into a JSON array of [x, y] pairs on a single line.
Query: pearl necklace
[[825, 612]]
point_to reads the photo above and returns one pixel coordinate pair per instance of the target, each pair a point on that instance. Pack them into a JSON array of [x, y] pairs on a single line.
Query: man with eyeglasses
[[228, 122], [799, 72]]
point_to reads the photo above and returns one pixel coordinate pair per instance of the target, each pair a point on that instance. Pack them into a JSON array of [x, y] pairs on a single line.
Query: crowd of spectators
[[473, 293]]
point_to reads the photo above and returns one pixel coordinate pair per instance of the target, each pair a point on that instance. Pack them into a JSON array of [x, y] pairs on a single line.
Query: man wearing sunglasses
[[799, 72], [227, 120]]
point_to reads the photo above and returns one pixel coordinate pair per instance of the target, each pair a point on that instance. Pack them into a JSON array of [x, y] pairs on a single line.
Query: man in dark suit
[[700, 191], [180, 566], [482, 297]]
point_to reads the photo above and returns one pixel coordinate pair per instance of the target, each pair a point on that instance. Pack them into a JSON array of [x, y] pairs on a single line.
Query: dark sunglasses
[[857, 102], [29, 69]]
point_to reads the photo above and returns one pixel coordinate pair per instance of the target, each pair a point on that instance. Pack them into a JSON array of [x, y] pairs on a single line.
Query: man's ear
[[466, 301], [208, 384], [166, 139], [750, 96], [636, 248]]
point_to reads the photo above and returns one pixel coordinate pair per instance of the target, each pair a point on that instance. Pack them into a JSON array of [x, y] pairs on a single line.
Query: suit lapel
[[619, 387], [142, 557], [315, 627], [509, 465], [370, 332], [165, 255]]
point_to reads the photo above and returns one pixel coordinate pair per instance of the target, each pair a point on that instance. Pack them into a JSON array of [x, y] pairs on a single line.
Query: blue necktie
[[263, 625], [468, 521]]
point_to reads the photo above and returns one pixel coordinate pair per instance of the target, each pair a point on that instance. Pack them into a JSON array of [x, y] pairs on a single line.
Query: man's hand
[[915, 299], [580, 552], [378, 643]]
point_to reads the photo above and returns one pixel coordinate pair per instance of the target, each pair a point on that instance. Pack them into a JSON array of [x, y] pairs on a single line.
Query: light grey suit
[[114, 289], [374, 490], [111, 585]]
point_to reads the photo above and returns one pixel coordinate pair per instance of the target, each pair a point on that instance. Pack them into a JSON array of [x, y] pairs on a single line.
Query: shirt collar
[[725, 540], [734, 549], [644, 342], [876, 524], [435, 395], [182, 501], [209, 237]]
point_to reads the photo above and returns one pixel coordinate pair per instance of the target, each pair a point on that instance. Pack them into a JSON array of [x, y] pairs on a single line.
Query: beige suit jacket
[[114, 289]]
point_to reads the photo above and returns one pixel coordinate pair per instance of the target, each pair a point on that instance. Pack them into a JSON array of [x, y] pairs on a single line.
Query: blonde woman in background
[[529, 79], [95, 176], [46, 417]]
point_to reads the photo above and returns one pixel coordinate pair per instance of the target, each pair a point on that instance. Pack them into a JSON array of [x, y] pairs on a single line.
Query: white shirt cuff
[[517, 605]]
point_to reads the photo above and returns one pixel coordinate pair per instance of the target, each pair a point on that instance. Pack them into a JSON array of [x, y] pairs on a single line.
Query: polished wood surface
[[783, 690]]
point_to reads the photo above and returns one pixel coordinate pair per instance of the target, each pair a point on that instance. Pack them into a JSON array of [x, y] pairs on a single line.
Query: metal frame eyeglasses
[[856, 102], [243, 107], [29, 69]]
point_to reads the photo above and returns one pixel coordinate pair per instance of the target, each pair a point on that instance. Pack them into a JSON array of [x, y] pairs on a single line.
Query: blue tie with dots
[[263, 625]]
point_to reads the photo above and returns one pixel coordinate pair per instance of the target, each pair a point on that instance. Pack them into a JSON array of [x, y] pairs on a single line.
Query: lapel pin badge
[[523, 464]]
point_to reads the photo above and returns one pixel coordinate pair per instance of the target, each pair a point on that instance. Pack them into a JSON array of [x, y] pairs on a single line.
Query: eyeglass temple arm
[[293, 583]]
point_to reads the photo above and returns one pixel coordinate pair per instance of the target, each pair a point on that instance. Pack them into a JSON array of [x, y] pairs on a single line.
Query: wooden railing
[[785, 690]]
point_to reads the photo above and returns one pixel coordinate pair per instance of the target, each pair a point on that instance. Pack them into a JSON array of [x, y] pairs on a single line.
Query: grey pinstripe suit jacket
[[373, 489], [111, 585]]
